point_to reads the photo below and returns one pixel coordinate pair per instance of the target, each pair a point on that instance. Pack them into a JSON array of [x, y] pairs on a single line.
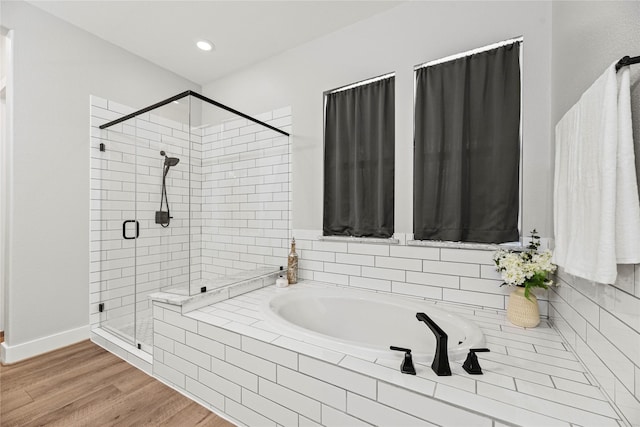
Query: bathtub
[[364, 324]]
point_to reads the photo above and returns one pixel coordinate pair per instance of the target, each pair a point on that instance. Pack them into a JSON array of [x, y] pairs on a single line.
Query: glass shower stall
[[187, 195]]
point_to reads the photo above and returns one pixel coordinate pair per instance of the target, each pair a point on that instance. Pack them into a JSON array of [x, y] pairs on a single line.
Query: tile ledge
[[213, 295], [348, 239], [464, 245]]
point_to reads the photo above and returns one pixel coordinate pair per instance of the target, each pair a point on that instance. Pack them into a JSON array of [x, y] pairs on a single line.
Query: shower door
[[162, 209], [114, 227], [141, 208]]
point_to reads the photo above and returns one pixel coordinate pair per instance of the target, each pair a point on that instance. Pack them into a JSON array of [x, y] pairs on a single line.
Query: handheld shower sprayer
[[163, 218], [169, 161]]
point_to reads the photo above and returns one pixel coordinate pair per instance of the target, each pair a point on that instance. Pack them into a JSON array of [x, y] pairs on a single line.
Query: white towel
[[627, 203], [596, 209]]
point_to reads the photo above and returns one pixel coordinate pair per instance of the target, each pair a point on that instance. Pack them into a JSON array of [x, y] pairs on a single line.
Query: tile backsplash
[[465, 276]]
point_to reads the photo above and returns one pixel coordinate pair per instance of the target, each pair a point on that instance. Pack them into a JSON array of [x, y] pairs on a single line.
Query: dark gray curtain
[[359, 158], [466, 148]]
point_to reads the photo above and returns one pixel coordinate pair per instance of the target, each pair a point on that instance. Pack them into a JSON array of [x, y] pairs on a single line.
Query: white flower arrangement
[[527, 269]]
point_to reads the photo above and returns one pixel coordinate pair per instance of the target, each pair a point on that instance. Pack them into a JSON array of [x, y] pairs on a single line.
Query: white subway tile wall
[[246, 195], [465, 276], [602, 324], [229, 197]]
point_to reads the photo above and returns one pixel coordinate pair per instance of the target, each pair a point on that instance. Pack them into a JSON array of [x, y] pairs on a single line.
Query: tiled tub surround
[[226, 357], [464, 274], [235, 219], [602, 324]]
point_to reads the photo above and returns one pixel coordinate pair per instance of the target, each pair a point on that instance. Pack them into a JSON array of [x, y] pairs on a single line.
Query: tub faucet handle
[[471, 364], [407, 363]]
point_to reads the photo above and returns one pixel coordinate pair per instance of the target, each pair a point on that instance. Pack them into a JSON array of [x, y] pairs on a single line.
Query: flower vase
[[522, 311]]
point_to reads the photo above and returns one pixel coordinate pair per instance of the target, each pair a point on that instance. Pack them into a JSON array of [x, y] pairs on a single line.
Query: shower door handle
[[124, 229]]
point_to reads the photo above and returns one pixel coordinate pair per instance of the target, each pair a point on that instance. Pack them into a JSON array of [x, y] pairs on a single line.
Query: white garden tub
[[365, 324]]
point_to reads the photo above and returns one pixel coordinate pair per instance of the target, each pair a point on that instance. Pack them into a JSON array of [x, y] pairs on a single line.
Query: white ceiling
[[243, 32]]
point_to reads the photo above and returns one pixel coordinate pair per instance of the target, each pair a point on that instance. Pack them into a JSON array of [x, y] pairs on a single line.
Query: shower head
[[169, 161]]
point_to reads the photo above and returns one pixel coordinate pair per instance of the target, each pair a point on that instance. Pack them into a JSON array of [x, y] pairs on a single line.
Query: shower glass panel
[[193, 197], [145, 186], [241, 209], [113, 219], [163, 164]]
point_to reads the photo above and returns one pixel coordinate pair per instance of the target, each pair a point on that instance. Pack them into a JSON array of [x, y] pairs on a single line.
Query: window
[[359, 144], [467, 147]]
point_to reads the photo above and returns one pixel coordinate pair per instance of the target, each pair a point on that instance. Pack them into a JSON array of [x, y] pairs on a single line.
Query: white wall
[[6, 58], [396, 40], [600, 321], [57, 67], [587, 37]]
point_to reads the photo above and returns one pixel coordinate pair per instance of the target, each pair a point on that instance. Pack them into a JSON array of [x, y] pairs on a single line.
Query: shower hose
[[163, 196]]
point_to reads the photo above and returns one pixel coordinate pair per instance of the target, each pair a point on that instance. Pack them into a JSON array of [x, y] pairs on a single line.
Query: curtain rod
[[195, 95], [519, 39], [360, 83], [627, 60]]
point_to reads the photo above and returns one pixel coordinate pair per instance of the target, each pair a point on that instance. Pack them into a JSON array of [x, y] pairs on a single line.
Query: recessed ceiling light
[[204, 45]]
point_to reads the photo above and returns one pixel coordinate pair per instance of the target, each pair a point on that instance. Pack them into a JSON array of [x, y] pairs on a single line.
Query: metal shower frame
[[195, 95]]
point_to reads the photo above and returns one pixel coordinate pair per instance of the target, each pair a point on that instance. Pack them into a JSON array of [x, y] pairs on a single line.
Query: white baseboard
[[16, 353]]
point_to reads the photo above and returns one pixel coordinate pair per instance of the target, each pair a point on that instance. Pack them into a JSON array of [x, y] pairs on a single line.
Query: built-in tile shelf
[[228, 358], [224, 289]]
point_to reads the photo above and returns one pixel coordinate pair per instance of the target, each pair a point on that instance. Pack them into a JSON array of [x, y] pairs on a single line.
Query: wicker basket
[[521, 311]]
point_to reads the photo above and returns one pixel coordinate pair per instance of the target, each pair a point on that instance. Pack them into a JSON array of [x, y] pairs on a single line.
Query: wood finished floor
[[85, 385]]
